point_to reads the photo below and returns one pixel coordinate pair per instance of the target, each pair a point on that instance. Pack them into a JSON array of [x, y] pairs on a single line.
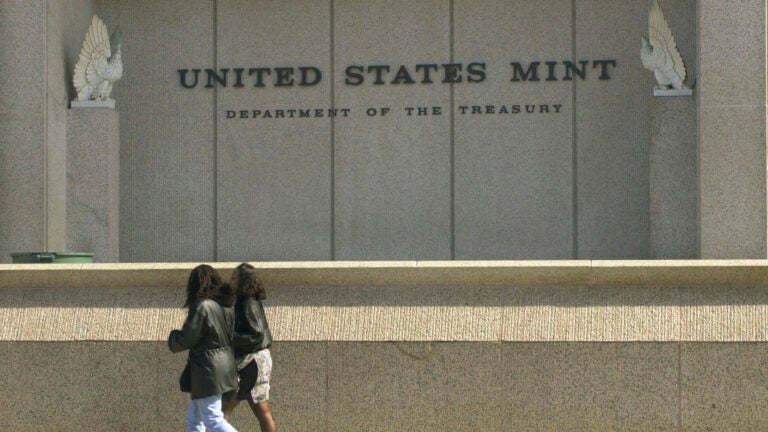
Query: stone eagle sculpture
[[659, 52], [97, 68]]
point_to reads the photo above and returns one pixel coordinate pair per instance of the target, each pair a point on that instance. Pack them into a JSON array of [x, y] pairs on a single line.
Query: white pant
[[206, 413]]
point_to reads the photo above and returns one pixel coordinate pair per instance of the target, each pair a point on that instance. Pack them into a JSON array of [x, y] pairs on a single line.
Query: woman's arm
[[256, 324], [192, 331]]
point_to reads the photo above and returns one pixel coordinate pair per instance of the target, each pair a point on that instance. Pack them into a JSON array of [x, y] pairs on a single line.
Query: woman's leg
[[262, 412], [259, 401], [194, 420], [213, 417], [228, 406]]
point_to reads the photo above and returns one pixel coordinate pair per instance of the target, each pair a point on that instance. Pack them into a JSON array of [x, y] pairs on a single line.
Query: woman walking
[[252, 341], [207, 334]]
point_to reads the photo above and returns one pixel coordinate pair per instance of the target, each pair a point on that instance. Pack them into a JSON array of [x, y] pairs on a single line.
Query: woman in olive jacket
[[252, 341], [207, 334]]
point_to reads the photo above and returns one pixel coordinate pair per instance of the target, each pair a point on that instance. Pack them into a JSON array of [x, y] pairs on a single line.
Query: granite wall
[[322, 162], [40, 44], [22, 126], [732, 128], [425, 175], [421, 386], [92, 186], [65, 21]]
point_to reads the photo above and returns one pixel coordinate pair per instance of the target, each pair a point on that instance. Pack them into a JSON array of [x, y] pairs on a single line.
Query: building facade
[[482, 135], [395, 130]]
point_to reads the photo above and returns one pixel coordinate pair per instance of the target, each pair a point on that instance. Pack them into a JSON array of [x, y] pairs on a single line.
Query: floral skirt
[[260, 390]]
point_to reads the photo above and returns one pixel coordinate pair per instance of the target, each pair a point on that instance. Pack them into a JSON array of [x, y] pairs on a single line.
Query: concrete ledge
[[572, 301], [403, 273]]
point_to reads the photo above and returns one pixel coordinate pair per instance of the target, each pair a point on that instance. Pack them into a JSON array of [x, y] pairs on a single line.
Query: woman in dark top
[[207, 334], [252, 341]]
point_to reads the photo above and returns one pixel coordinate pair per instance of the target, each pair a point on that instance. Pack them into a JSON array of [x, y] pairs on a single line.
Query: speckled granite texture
[[453, 386], [496, 346], [93, 183]]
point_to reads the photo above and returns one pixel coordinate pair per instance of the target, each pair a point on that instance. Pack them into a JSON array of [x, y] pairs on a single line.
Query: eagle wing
[[92, 64], [660, 37]]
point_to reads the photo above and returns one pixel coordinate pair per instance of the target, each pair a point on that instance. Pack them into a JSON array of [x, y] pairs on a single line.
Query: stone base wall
[[453, 346], [407, 386]]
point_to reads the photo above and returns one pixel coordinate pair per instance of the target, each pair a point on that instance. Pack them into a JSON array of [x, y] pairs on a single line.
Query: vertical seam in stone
[[44, 86], [497, 377], [502, 323], [680, 357], [158, 379], [649, 250], [327, 383], [333, 138], [697, 95], [215, 137], [452, 138], [574, 145], [679, 385]]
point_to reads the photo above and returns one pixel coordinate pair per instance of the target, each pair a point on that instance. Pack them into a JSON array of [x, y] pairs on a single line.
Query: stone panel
[[426, 386], [513, 172], [724, 387], [673, 153], [392, 172], [732, 112], [299, 387], [171, 408], [22, 202], [674, 179], [732, 51], [589, 387], [733, 182], [22, 90], [90, 379], [612, 133], [66, 26], [274, 174], [93, 176], [168, 157], [22, 128], [56, 178]]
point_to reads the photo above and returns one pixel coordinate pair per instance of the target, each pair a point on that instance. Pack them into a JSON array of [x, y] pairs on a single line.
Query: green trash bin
[[52, 257]]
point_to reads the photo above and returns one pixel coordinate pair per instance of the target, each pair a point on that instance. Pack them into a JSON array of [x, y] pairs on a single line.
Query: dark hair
[[250, 284], [203, 282]]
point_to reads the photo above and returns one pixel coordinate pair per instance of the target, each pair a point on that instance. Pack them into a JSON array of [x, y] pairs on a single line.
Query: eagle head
[[650, 57]]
